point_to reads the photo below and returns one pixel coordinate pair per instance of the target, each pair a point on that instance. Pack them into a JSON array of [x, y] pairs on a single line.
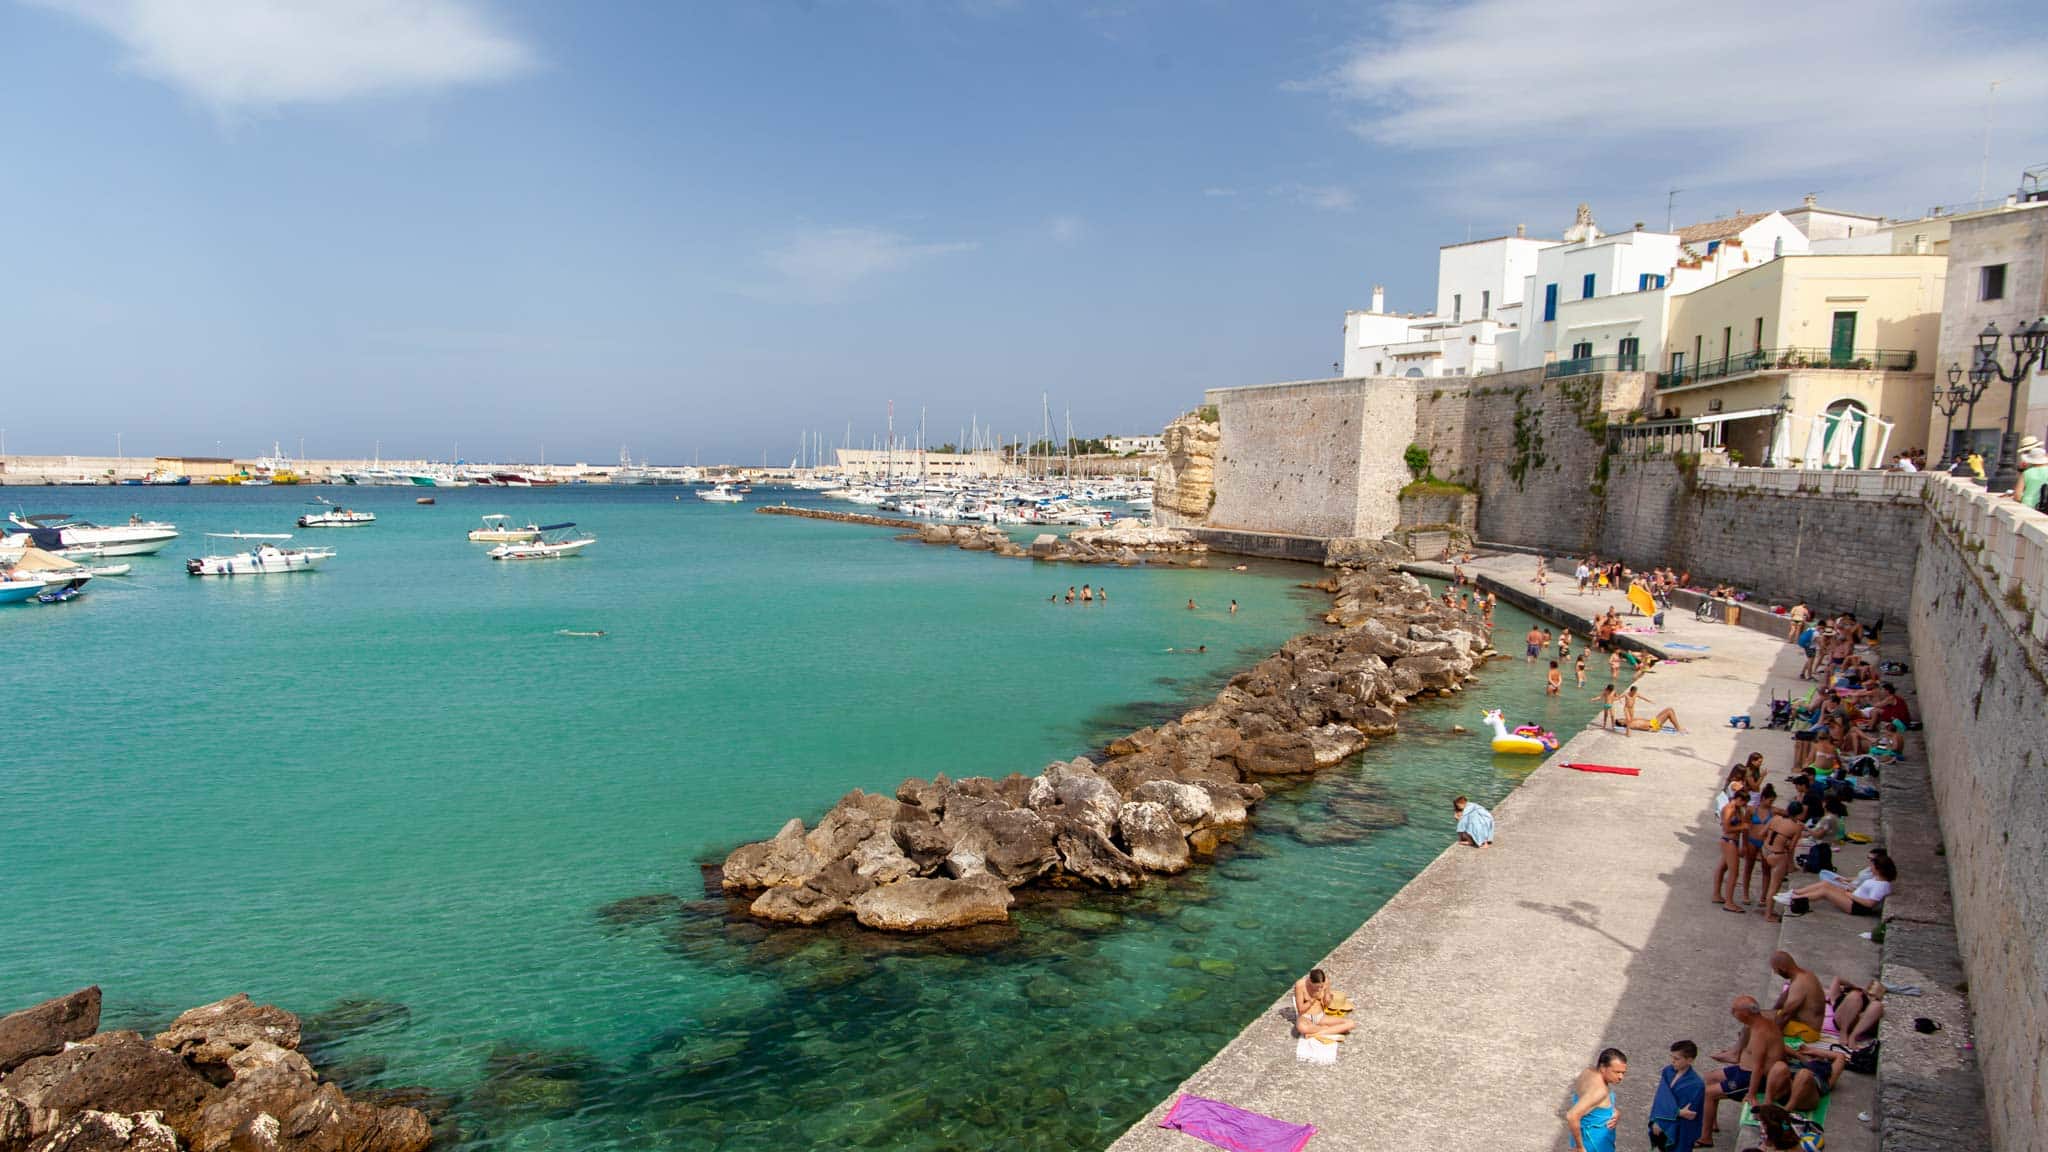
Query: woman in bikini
[[1781, 837], [1312, 1015], [1734, 821], [1761, 810]]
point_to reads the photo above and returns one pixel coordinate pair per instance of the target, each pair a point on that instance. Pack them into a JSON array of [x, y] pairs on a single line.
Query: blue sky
[[702, 229]]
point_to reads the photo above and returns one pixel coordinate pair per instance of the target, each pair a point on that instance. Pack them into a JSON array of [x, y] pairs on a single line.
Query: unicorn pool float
[[1528, 740]]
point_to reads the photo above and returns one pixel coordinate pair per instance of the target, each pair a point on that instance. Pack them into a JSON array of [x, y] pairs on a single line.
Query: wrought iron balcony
[[1790, 360]]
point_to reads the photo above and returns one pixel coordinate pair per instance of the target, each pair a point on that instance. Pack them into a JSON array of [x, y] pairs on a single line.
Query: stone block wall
[[1535, 450], [1428, 509], [1835, 552], [1315, 458], [1643, 511], [1983, 697]]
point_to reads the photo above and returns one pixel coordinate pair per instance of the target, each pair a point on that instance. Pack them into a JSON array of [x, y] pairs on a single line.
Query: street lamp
[[1951, 400], [2029, 342]]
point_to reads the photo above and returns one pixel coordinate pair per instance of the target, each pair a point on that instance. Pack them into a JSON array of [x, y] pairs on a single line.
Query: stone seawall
[[1315, 458], [1983, 696]]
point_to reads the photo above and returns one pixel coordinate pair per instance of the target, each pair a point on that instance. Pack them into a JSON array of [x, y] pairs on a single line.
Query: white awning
[[1722, 417]]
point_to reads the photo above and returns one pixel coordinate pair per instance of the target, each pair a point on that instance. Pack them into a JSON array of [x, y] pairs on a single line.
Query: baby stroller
[[1781, 712]]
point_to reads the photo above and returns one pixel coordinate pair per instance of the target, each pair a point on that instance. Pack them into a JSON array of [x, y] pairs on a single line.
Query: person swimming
[[573, 632]]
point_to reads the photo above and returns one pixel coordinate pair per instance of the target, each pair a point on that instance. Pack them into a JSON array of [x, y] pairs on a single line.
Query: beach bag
[[1819, 858], [1800, 906], [1861, 1060]]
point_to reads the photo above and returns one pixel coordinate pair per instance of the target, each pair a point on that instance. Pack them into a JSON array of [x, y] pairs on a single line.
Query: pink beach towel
[[1227, 1126]]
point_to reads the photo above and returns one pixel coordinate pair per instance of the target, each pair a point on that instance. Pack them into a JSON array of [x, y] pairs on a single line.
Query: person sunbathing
[[1799, 1083], [1657, 725], [1865, 899], [1856, 1012], [1319, 1008]]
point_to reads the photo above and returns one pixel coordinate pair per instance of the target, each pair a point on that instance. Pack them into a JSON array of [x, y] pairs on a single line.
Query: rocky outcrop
[[928, 905], [225, 1077], [1184, 486], [44, 1029], [1137, 536], [946, 853]]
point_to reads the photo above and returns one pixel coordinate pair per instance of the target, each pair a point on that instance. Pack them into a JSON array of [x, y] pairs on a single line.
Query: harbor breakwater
[[944, 854], [227, 1075]]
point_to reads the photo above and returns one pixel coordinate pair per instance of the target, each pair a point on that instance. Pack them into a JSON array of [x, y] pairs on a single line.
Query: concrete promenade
[[1489, 981]]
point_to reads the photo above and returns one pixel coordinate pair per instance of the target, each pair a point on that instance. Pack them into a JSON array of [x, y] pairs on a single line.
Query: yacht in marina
[[720, 494], [62, 532]]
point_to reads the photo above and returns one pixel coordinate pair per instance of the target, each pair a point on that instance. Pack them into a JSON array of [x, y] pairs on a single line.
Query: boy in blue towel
[[1675, 1113]]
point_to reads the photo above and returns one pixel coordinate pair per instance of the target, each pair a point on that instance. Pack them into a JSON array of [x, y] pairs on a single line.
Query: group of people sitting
[[1791, 1055]]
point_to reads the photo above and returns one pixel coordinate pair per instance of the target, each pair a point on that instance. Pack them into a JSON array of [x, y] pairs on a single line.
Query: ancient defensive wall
[[1296, 469]]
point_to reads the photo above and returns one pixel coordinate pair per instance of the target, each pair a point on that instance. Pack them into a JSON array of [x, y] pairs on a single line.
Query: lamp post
[[1951, 400], [2029, 342]]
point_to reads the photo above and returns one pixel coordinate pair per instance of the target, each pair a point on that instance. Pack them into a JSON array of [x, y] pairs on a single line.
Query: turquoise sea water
[[393, 785]]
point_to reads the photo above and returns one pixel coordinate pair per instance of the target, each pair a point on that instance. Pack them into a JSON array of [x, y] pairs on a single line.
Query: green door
[[1843, 348]]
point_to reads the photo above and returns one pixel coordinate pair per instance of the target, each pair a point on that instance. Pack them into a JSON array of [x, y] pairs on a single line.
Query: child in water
[[1579, 669], [1554, 682]]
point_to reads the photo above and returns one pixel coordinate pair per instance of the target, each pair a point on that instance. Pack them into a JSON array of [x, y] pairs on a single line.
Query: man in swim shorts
[[1799, 1084], [1759, 1050], [1534, 643], [1801, 1006]]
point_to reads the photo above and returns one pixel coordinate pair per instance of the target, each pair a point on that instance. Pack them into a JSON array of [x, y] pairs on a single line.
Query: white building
[[1142, 445], [1601, 302], [1817, 223], [1478, 298]]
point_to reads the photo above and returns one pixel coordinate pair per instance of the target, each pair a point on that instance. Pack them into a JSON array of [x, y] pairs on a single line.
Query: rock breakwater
[[943, 854], [225, 1077]]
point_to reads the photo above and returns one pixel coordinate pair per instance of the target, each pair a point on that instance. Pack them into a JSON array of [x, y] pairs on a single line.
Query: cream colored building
[[1765, 357], [868, 464], [1998, 274]]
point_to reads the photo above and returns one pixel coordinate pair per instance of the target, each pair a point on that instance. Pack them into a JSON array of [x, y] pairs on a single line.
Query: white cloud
[[257, 54], [1889, 99], [828, 261], [1322, 197]]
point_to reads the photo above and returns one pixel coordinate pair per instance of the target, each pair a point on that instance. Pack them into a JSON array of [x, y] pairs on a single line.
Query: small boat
[[260, 560], [333, 516], [110, 569], [424, 500], [721, 494], [59, 593], [495, 530], [544, 549]]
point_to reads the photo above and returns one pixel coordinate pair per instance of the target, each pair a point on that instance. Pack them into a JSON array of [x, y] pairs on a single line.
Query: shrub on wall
[[1417, 459]]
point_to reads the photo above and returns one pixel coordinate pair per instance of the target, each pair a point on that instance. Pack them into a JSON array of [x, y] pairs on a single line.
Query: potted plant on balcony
[[1860, 364]]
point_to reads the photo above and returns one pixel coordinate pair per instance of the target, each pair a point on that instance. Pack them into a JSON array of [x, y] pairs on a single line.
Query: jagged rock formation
[[1184, 486], [225, 1077], [947, 853]]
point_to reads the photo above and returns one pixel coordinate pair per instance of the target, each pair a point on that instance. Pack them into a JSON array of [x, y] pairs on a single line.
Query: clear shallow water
[[393, 782]]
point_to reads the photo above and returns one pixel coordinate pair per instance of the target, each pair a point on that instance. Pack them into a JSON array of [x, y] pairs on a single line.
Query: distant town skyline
[[702, 232]]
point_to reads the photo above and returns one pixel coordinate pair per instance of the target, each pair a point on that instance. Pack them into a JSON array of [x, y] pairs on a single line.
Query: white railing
[[2009, 541], [1844, 484]]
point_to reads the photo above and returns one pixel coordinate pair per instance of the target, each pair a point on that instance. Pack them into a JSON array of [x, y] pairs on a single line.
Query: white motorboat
[[544, 549], [14, 591], [138, 537], [496, 530], [261, 560], [334, 516], [720, 494]]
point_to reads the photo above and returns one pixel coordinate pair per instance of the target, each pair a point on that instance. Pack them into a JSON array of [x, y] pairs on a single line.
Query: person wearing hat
[[2033, 472]]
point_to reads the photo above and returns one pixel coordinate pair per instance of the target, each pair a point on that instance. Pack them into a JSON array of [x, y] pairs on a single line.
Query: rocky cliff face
[[1186, 483]]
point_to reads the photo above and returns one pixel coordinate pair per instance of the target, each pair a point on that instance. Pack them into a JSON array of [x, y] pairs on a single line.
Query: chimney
[[1521, 230], [1809, 200], [1638, 227], [1379, 298]]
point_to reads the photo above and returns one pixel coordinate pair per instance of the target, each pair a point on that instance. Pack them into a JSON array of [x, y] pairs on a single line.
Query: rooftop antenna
[[1670, 204], [1984, 173]]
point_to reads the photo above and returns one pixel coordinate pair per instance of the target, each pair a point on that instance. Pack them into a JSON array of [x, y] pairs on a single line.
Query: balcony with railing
[[1789, 360], [1588, 365]]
